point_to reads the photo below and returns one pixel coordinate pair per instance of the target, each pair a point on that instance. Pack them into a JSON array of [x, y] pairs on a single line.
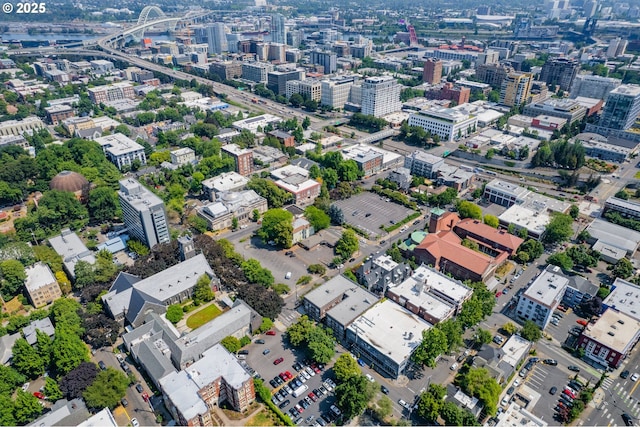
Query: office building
[[216, 38], [229, 205], [112, 92], [41, 285], [277, 80], [488, 57], [448, 123], [610, 339], [226, 70], [360, 50], [309, 89], [57, 113], [143, 213], [598, 147], [568, 109], [335, 91], [386, 336], [256, 71], [227, 181], [493, 74], [617, 47], [278, 30], [121, 150], [515, 89], [589, 86], [626, 208], [380, 96], [613, 241], [432, 71], [19, 127], [542, 297], [560, 72], [243, 158], [458, 95], [423, 164], [621, 108], [326, 59]]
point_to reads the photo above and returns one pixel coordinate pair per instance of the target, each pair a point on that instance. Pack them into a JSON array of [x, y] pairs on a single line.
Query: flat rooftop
[[522, 217], [417, 294], [437, 281], [515, 349], [137, 195], [625, 297], [355, 301], [118, 144], [615, 330], [548, 287], [508, 187], [390, 329], [614, 235], [38, 275], [330, 290]]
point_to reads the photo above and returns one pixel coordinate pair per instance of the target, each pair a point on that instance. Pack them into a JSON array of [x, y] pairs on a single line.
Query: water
[[57, 37]]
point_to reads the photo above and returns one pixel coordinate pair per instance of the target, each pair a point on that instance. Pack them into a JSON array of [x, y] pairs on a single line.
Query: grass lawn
[[201, 317], [637, 175], [262, 418]]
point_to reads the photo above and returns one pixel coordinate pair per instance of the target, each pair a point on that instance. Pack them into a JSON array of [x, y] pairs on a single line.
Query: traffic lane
[[542, 379]]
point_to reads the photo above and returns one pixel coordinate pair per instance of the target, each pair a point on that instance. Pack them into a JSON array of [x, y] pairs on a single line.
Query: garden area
[[203, 316]]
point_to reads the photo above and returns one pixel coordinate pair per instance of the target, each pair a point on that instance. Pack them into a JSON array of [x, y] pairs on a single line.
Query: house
[[42, 325], [65, 413], [130, 297], [379, 272], [69, 246], [6, 347], [302, 229], [502, 362], [609, 340]]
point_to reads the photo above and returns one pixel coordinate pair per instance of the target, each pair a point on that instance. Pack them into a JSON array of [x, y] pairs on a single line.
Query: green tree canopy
[[255, 273], [468, 209], [276, 196], [174, 313], [202, 292], [13, 277], [107, 389], [103, 204], [530, 331], [353, 395], [317, 218], [347, 245], [68, 350], [433, 344], [491, 221], [231, 343], [26, 359], [26, 407], [277, 225], [346, 367], [623, 269], [431, 402], [562, 260], [479, 383], [559, 228]]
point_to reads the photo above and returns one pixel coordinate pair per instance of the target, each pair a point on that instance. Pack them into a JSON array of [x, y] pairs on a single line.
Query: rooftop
[[516, 415], [447, 245], [615, 330], [625, 297], [625, 204], [614, 235], [355, 301], [441, 283], [492, 234], [38, 276], [522, 217], [137, 195], [515, 349], [548, 287], [507, 187], [296, 186], [289, 170], [42, 325], [627, 90], [235, 149], [226, 181], [417, 293], [117, 144], [69, 246], [391, 330], [329, 291]]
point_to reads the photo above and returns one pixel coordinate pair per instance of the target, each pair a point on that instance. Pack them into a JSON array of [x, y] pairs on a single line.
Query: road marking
[[605, 411], [634, 387]]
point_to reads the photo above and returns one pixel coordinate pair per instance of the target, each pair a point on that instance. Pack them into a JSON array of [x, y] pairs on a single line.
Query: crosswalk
[[622, 396], [288, 318]]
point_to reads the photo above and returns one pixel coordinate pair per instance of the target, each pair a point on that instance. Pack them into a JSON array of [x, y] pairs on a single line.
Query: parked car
[[551, 362], [284, 404], [38, 394], [266, 351], [511, 389], [124, 402], [134, 422], [553, 390], [278, 361], [271, 332], [384, 389], [627, 419], [635, 377], [454, 367], [260, 341], [498, 339], [624, 375], [102, 365], [573, 368], [139, 388]]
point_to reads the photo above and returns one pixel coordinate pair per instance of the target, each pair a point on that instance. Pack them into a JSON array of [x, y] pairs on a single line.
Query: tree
[[530, 331], [468, 243], [482, 336], [26, 359], [7, 410], [318, 269], [559, 228], [231, 343], [347, 245], [106, 391], [468, 209], [562, 260], [174, 313], [76, 381], [13, 277], [103, 204], [277, 225], [299, 331], [48, 256], [491, 221], [26, 407], [346, 367], [255, 273], [431, 401], [622, 195], [52, 390], [234, 223], [306, 122], [336, 215], [321, 345], [384, 408], [265, 325], [453, 331], [202, 291], [317, 218], [509, 328], [296, 100], [623, 269], [9, 379], [434, 343], [353, 395], [68, 350], [479, 383], [574, 211], [85, 274]]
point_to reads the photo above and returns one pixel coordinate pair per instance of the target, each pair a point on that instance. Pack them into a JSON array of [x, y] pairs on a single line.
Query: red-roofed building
[[487, 236]]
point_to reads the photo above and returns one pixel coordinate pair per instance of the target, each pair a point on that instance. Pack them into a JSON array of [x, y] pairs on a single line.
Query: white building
[[590, 86], [253, 123], [448, 123], [229, 205], [335, 92], [183, 156], [121, 150], [309, 89], [542, 297], [143, 213], [624, 297], [380, 96], [256, 71], [227, 181], [18, 127], [69, 246]]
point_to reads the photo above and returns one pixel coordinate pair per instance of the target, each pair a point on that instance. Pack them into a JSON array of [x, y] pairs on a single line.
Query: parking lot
[[276, 348], [368, 211]]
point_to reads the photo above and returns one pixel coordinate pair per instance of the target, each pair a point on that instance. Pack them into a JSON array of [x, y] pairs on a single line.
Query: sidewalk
[[220, 416]]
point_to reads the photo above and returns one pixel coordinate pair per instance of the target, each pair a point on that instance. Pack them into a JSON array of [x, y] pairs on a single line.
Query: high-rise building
[[590, 7], [621, 108], [217, 38], [256, 71], [515, 89], [227, 70], [432, 71], [327, 59], [243, 158], [560, 72], [493, 74], [278, 30], [309, 89], [380, 96], [590, 86], [335, 92], [277, 80], [488, 57], [616, 48], [112, 92], [143, 213]]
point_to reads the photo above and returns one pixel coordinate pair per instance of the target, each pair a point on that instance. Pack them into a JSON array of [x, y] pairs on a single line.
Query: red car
[[288, 375], [582, 322], [313, 397], [38, 395], [569, 393], [270, 332], [145, 396], [278, 361], [498, 294]]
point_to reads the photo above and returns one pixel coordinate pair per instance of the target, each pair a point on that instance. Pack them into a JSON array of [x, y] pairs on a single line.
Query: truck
[[300, 390]]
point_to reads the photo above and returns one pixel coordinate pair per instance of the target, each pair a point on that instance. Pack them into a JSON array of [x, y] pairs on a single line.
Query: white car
[[454, 367], [635, 377], [505, 401], [369, 377], [288, 275], [516, 383], [25, 386], [310, 371], [134, 422]]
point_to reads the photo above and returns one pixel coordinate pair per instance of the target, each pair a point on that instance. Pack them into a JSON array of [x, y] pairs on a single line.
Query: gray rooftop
[[38, 276], [329, 291], [355, 301], [69, 246], [42, 325], [137, 195], [63, 413], [614, 235]]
